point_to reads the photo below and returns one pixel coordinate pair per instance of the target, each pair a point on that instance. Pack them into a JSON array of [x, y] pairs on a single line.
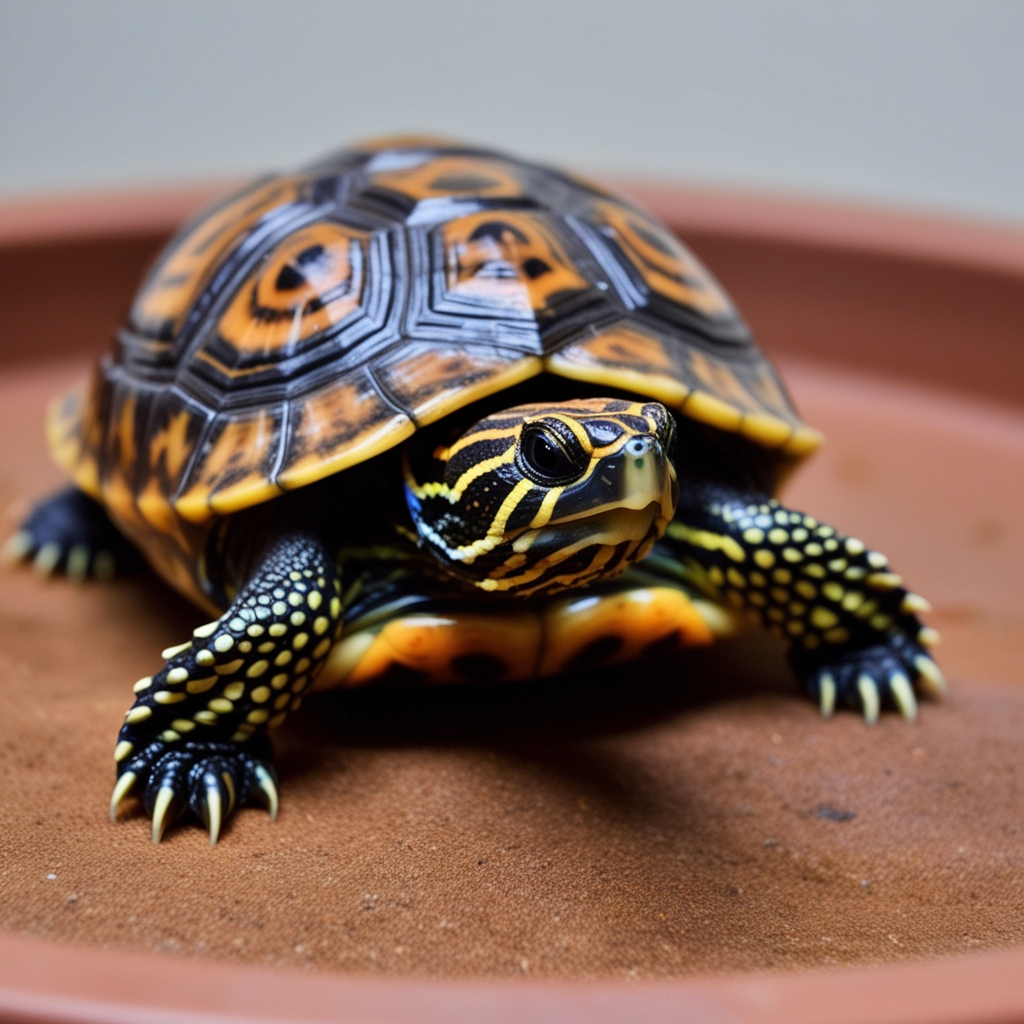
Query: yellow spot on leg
[[170, 652], [822, 618], [168, 697]]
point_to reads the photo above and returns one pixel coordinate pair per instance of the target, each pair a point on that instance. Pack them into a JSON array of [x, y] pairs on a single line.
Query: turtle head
[[539, 498]]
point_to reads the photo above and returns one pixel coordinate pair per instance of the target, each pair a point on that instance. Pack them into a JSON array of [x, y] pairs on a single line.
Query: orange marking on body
[[76, 431], [506, 259], [668, 267], [154, 507], [123, 437], [626, 356], [720, 382], [311, 280], [637, 618], [458, 648], [232, 473], [171, 447]]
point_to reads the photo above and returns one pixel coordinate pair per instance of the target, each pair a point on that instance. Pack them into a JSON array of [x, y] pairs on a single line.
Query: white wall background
[[913, 102]]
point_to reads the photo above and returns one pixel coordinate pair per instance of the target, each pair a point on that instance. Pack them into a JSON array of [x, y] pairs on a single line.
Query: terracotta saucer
[[683, 842]]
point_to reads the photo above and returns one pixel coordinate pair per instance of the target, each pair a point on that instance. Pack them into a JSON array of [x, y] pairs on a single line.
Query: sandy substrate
[[668, 820]]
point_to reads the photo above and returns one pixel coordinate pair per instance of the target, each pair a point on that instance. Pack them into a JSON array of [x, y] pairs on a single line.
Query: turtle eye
[[545, 459]]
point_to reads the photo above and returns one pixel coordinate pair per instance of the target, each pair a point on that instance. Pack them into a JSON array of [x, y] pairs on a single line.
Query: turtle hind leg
[[71, 533], [196, 736]]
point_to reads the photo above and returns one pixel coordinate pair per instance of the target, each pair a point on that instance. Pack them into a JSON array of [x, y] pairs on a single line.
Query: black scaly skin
[[198, 729], [843, 613], [71, 533]]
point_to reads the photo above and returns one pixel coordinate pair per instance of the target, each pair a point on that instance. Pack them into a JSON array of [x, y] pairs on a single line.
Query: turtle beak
[[638, 476]]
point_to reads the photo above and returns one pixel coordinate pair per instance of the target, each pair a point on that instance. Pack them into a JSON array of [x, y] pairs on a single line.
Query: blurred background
[[916, 103]]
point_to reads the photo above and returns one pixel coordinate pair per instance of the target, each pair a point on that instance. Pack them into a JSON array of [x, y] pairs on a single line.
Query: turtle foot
[[71, 534], [887, 674], [208, 778]]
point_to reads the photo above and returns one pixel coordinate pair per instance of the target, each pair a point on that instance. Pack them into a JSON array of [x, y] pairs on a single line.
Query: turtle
[[423, 412]]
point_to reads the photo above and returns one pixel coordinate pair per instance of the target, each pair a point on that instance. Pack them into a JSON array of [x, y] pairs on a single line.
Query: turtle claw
[[47, 558], [17, 547], [903, 695], [77, 567], [870, 701], [265, 790], [827, 695], [213, 813], [930, 678], [213, 794], [122, 788], [167, 808]]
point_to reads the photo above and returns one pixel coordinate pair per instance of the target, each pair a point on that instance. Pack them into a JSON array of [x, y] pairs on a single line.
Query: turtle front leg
[[852, 628], [196, 736]]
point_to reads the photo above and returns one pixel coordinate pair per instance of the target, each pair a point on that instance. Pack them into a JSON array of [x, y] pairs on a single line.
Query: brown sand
[[668, 821]]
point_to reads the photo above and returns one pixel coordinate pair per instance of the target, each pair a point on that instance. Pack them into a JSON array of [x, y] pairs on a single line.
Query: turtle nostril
[[639, 446]]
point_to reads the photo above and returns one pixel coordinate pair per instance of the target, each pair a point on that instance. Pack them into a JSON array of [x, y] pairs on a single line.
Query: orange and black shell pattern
[[315, 320]]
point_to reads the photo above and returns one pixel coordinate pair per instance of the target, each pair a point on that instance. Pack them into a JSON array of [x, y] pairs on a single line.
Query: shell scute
[[310, 282], [318, 292], [344, 422], [234, 467], [506, 263], [175, 428]]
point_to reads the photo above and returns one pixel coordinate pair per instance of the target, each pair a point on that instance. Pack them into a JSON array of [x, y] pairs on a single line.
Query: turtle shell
[[312, 321]]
